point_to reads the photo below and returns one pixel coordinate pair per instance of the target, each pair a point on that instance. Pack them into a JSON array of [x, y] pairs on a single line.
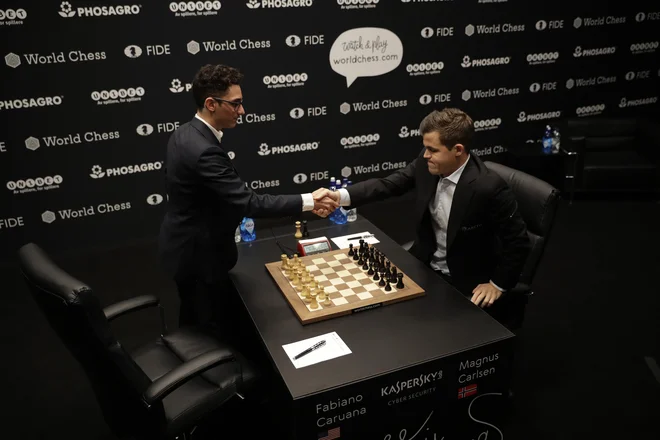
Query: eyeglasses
[[234, 104]]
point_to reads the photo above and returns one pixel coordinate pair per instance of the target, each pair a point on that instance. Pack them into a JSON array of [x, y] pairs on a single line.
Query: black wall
[[100, 87]]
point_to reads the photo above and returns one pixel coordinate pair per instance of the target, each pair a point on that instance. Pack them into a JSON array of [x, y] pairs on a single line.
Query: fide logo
[[425, 99], [300, 178], [293, 41], [535, 87], [297, 113], [427, 32], [133, 51], [155, 199], [144, 129]]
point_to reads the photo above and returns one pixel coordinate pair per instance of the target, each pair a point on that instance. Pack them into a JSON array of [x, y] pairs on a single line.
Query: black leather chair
[[613, 154], [537, 202], [165, 388]]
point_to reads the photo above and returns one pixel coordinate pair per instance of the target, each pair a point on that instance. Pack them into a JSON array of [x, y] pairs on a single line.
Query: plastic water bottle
[[247, 229], [547, 140], [351, 215], [333, 187], [340, 213], [237, 234], [556, 140]]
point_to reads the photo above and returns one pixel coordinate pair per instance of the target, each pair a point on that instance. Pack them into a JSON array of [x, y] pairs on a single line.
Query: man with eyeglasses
[[207, 199]]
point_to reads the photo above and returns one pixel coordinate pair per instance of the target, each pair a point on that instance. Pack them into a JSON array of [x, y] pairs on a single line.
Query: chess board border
[[410, 291]]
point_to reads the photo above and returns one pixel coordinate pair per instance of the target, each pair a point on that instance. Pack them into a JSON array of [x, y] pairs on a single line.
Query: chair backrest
[[602, 133], [75, 314], [537, 202]]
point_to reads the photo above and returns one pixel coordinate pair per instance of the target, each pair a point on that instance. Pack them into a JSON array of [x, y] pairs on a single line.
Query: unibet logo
[[32, 143], [15, 104], [107, 97], [144, 129], [12, 60], [35, 184], [300, 178], [193, 47], [289, 80], [636, 102], [195, 9], [48, 217], [177, 87], [487, 124], [255, 4], [425, 68], [542, 58], [579, 52], [293, 41], [590, 110], [98, 172], [12, 17], [360, 141], [357, 4], [484, 62], [524, 117], [155, 199], [297, 113], [265, 149], [647, 47], [67, 11]]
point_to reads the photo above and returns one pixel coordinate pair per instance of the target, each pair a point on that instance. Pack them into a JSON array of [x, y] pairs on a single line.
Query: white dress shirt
[[307, 199]]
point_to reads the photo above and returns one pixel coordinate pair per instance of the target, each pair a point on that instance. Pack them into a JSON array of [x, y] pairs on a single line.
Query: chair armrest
[[170, 381], [130, 305], [407, 245], [519, 289]]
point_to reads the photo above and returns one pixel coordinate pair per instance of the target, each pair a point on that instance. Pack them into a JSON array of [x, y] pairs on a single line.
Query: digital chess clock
[[313, 246]]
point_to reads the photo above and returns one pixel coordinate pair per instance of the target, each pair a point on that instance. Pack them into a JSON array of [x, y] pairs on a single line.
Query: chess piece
[[288, 272], [327, 302], [314, 304], [399, 284], [394, 272], [305, 292], [371, 269], [320, 295], [285, 261], [305, 232], [376, 277], [356, 256], [350, 250], [381, 283], [365, 266], [388, 288], [298, 233], [296, 260]]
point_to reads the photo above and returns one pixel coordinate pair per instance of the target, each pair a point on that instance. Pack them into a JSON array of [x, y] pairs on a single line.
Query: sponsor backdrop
[[93, 89]]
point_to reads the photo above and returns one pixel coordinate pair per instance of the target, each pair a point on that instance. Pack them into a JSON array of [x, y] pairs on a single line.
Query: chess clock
[[313, 246]]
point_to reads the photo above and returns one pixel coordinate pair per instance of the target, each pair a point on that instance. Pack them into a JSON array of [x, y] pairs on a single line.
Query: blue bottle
[[247, 229], [340, 213], [547, 140], [333, 187], [556, 140], [351, 214]]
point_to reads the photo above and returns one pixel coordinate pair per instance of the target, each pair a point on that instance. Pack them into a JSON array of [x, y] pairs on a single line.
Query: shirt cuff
[[496, 286], [345, 197], [308, 202]]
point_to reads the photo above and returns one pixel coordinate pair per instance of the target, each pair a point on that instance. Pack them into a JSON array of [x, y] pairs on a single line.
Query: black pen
[[310, 349], [359, 237]]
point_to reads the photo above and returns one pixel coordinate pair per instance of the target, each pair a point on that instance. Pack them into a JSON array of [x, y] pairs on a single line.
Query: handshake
[[325, 201]]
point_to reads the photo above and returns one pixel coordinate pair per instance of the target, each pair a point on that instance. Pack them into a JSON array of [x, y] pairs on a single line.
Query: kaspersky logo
[[68, 11]]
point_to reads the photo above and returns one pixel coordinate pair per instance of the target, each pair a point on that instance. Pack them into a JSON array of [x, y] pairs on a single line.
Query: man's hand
[[485, 295], [325, 201]]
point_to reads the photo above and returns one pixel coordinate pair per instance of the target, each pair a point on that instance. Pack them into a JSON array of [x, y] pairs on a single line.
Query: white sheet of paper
[[343, 242], [333, 348]]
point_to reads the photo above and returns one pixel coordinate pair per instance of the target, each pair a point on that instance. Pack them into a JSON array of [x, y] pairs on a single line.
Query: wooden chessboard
[[348, 286]]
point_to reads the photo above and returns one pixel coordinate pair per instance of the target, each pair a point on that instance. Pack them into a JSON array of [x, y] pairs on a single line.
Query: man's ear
[[459, 149], [209, 104]]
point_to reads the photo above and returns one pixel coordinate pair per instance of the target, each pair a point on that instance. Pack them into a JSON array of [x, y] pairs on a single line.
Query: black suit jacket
[[207, 201], [486, 235]]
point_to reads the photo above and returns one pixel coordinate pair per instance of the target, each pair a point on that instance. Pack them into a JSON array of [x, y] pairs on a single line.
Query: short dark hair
[[454, 126], [214, 80]]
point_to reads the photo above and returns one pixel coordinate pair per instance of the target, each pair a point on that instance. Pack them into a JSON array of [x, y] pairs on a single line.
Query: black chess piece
[[388, 264], [360, 260], [382, 279], [375, 278], [305, 232], [365, 266], [394, 271], [356, 255], [371, 269], [399, 284], [350, 250], [388, 288]]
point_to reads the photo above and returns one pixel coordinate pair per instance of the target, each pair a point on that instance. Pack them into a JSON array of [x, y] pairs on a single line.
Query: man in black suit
[[208, 199], [468, 229]]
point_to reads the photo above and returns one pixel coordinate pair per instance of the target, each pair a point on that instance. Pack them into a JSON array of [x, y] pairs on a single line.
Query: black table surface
[[382, 340]]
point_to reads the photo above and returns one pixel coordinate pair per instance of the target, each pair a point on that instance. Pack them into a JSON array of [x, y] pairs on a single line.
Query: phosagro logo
[[590, 110], [67, 11], [579, 52], [487, 124], [524, 117], [255, 4], [647, 47], [360, 141], [484, 62], [357, 4], [195, 9], [265, 150], [34, 184], [15, 104], [98, 172], [107, 97], [425, 68], [542, 58], [405, 132], [289, 80], [636, 102], [177, 87], [12, 17]]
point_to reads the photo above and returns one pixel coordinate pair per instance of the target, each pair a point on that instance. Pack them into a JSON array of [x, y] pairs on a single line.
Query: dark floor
[[581, 374]]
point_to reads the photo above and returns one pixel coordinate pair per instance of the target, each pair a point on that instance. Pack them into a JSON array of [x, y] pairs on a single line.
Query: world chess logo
[[297, 113], [66, 10], [32, 143], [466, 61], [293, 41], [176, 86], [144, 129], [97, 172], [577, 23], [253, 4], [425, 99], [466, 95], [155, 199], [469, 30], [300, 178], [193, 47], [264, 149], [427, 32], [12, 60], [48, 217], [522, 117], [133, 51], [534, 87], [570, 83], [346, 172], [345, 108], [404, 133], [541, 25]]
